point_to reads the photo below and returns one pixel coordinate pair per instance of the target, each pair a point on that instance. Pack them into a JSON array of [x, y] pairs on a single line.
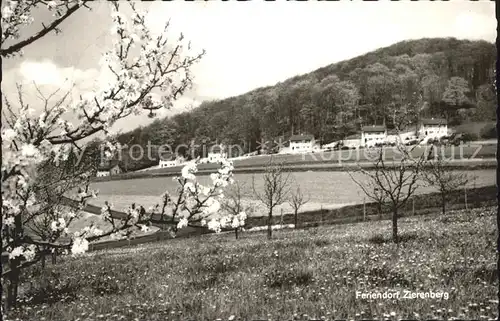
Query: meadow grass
[[303, 274]]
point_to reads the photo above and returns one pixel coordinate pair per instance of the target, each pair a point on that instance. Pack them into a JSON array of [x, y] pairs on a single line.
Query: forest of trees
[[448, 78]]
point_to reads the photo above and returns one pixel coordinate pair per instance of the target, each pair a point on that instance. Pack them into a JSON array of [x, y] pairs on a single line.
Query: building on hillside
[[302, 143], [170, 160], [433, 128], [372, 136], [116, 169], [109, 170], [102, 172], [216, 154], [352, 141]]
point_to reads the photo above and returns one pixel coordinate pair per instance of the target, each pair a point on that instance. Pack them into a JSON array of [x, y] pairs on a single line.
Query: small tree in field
[[275, 191], [296, 201], [234, 206], [396, 181], [444, 178]]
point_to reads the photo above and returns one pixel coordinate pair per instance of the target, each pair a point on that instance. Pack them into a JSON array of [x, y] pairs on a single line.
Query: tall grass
[[309, 273]]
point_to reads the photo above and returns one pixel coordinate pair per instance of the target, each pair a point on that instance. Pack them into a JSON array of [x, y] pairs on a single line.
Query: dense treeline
[[447, 78]]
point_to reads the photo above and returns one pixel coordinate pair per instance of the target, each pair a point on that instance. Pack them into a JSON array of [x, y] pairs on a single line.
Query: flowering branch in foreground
[[141, 64]]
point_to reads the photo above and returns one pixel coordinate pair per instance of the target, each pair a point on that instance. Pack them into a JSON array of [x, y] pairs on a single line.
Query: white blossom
[[8, 135], [9, 221], [214, 226], [188, 171], [51, 5], [80, 246], [30, 252], [17, 251], [183, 222]]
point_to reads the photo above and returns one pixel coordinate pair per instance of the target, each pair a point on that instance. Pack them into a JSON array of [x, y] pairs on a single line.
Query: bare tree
[[395, 181], [296, 201], [233, 203], [275, 190], [444, 178]]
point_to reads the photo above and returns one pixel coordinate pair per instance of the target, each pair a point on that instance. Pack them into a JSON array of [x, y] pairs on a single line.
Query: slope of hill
[[395, 85]]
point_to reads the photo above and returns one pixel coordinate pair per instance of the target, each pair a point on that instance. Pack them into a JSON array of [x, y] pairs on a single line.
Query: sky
[[248, 44]]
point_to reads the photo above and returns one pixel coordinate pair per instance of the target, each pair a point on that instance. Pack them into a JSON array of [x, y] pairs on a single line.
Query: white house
[[302, 144], [102, 173], [433, 128], [216, 154], [108, 170], [373, 135], [170, 160]]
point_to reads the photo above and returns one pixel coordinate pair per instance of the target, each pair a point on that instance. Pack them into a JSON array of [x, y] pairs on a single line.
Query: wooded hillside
[[447, 78]]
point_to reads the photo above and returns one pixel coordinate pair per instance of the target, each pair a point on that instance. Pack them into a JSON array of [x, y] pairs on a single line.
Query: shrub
[[467, 137], [488, 132]]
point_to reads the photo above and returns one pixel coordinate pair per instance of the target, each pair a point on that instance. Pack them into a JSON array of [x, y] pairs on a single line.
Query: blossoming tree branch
[[38, 143]]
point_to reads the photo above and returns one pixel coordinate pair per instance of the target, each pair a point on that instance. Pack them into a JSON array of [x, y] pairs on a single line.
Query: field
[[332, 160], [327, 190], [306, 273]]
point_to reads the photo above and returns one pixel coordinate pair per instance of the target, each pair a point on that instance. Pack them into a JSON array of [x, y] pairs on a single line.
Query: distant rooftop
[[373, 129], [434, 121], [295, 138]]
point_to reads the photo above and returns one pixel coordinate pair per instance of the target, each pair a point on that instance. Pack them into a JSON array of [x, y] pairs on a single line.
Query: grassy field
[[307, 273], [329, 160], [326, 190]]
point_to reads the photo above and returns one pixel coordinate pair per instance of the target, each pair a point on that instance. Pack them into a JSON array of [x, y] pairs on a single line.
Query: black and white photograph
[[249, 160]]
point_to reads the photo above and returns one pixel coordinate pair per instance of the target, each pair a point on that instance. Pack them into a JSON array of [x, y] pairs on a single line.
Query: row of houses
[[370, 136], [215, 155], [374, 135]]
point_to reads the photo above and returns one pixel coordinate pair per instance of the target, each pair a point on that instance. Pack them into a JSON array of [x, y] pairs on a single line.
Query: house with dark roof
[[433, 128], [168, 159], [112, 168], [373, 135], [303, 143]]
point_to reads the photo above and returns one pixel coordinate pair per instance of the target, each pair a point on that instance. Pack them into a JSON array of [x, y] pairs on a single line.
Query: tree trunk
[[443, 203], [14, 266], [269, 225], [236, 233], [295, 219], [12, 285], [395, 226], [43, 259]]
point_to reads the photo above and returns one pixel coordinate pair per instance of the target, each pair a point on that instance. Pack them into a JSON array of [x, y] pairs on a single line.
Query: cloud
[[50, 77]]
